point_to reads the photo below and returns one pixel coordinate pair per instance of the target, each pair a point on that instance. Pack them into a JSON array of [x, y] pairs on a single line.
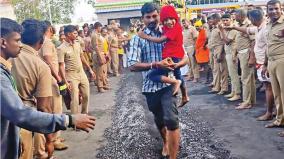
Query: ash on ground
[[133, 134]]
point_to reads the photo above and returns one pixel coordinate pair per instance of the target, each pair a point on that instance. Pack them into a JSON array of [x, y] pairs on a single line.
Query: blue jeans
[[156, 74]]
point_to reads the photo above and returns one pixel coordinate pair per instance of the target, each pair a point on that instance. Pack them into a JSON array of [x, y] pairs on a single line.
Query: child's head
[[169, 22], [168, 16]]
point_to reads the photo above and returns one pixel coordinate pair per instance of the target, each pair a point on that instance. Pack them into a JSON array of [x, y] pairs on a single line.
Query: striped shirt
[[145, 51]]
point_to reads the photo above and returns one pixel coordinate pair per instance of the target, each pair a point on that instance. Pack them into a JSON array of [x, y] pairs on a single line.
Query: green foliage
[[91, 2], [61, 10]]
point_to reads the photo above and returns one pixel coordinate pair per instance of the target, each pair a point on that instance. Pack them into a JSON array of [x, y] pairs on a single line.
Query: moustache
[[152, 25]]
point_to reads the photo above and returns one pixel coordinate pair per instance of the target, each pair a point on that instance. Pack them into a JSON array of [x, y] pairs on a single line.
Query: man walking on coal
[[144, 56]]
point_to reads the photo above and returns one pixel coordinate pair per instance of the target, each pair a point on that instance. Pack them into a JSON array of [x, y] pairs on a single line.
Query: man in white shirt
[[260, 48]]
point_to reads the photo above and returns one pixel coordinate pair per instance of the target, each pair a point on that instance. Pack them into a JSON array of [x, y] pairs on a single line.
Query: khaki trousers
[[276, 73], [193, 66], [211, 64], [248, 79], [39, 139], [79, 83], [101, 72], [220, 70], [114, 63], [39, 146], [105, 69], [233, 73], [109, 67], [56, 102], [27, 140]]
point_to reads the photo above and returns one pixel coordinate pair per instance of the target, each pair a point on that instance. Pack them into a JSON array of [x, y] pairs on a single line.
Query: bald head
[[241, 12], [241, 15]]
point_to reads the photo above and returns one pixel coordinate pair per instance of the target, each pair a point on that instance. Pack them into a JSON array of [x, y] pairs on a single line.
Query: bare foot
[[243, 106], [281, 134], [165, 151], [184, 101], [265, 117], [190, 79], [101, 90], [176, 87], [195, 80]]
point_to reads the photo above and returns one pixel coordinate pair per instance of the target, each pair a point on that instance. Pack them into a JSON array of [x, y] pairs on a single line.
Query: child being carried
[[173, 51]]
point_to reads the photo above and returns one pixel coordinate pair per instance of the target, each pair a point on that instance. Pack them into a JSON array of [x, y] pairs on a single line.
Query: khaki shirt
[[275, 43], [189, 36], [32, 76], [6, 63], [216, 39], [97, 41], [70, 55], [231, 48], [244, 40], [88, 47], [48, 49], [81, 41], [208, 33], [113, 41]]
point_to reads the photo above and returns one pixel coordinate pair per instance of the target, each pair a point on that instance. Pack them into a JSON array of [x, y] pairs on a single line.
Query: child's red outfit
[[173, 47]]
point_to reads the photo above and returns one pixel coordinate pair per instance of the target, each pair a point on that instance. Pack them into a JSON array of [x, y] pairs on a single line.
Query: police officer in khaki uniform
[[99, 57], [245, 45], [275, 57], [209, 45], [220, 81], [229, 38], [34, 80], [106, 51], [71, 58], [113, 44], [49, 54], [189, 37]]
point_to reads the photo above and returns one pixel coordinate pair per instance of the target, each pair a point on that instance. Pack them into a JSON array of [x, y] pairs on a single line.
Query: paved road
[[210, 127], [84, 145]]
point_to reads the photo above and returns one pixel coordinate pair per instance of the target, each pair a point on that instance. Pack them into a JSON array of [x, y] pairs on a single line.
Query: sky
[[83, 10]]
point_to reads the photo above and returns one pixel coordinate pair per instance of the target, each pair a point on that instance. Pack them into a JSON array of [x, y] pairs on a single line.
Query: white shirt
[[260, 46]]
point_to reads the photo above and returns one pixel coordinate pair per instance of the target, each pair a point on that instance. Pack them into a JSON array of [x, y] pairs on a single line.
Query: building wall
[[103, 17], [6, 10]]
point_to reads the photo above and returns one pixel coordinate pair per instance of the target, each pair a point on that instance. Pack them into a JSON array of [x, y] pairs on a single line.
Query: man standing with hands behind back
[[49, 54]]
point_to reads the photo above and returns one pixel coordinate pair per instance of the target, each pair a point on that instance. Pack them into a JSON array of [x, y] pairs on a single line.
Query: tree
[[91, 2], [61, 10]]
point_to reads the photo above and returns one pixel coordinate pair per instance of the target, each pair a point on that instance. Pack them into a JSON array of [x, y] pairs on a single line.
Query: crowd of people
[[49, 71], [41, 71], [245, 47]]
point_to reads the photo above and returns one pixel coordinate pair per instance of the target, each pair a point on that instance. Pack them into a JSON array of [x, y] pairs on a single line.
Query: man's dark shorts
[[163, 105]]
